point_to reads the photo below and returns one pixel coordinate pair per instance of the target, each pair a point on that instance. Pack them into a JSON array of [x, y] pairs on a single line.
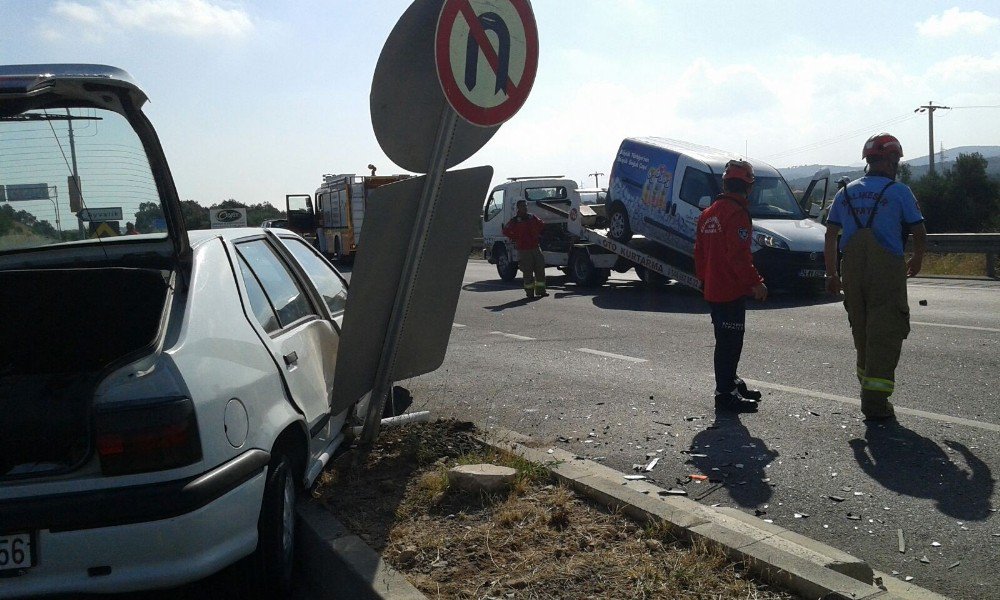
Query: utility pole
[[595, 176], [929, 108]]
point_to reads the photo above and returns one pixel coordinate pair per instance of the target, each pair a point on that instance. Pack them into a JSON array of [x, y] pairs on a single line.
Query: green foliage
[[196, 216], [965, 199]]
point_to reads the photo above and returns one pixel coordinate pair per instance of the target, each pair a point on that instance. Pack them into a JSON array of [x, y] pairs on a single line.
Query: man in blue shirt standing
[[869, 215]]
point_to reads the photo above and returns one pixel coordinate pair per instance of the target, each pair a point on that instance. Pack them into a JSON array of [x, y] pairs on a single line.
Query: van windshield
[[771, 199]]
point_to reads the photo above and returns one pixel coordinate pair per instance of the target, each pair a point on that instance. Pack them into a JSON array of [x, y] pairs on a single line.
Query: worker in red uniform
[[526, 230], [724, 265]]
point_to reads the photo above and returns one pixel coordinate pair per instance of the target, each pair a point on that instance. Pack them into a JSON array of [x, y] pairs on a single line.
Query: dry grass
[[538, 540], [954, 264]]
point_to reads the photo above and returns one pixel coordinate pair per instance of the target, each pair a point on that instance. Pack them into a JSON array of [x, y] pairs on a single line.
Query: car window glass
[[495, 204], [261, 307], [696, 185], [330, 286], [287, 298], [545, 193]]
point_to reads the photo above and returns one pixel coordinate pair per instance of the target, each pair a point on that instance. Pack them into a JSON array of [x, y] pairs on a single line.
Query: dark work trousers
[[729, 319]]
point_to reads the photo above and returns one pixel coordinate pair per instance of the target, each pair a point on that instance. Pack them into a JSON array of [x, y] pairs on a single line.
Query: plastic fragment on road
[[698, 477], [634, 477], [853, 517], [925, 560], [936, 544], [837, 498], [954, 564], [908, 578], [673, 492], [652, 464], [902, 541]]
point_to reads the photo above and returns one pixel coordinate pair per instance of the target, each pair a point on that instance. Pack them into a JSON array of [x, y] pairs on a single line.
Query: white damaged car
[[164, 394]]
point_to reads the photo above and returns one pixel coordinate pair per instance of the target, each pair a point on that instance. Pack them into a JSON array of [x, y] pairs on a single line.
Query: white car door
[[297, 333]]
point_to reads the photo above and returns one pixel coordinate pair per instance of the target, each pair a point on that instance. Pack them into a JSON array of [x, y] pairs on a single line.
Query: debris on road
[[837, 498], [925, 560], [652, 464], [634, 477], [673, 492], [923, 303], [954, 564], [902, 541], [936, 544], [853, 517]]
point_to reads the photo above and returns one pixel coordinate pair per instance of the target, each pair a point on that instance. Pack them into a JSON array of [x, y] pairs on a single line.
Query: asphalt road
[[623, 374]]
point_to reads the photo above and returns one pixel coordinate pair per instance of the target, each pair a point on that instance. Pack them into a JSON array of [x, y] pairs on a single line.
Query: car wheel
[[618, 226], [506, 268], [583, 272], [276, 530]]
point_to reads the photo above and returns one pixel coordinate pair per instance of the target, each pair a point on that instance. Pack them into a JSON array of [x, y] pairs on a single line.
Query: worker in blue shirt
[[870, 217]]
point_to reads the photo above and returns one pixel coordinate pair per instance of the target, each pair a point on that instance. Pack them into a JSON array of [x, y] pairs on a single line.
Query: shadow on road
[[511, 304], [908, 463], [740, 458], [637, 296]]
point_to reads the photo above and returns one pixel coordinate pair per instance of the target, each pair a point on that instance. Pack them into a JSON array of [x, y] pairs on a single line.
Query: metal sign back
[[407, 100], [377, 270]]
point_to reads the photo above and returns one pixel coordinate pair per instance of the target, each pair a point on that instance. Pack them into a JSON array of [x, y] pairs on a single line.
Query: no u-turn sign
[[486, 53]]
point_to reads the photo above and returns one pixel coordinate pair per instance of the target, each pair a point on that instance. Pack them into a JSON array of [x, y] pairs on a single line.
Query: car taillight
[[152, 436]]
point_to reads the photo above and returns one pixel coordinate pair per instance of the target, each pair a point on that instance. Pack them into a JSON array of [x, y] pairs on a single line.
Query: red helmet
[[738, 169], [882, 145]]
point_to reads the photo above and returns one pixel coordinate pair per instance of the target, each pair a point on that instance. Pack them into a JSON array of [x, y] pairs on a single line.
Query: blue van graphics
[[644, 182]]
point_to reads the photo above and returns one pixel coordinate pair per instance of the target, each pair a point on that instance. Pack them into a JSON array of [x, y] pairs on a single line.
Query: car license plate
[[16, 552], [812, 273]]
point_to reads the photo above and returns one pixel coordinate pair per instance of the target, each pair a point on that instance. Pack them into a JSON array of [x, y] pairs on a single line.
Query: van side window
[[494, 205], [696, 185], [545, 193]]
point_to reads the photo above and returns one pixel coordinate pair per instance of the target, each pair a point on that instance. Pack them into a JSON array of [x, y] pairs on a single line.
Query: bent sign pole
[[478, 87]]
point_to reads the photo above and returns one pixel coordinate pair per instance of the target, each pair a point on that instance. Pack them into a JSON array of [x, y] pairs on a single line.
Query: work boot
[[749, 394], [529, 293], [733, 402], [877, 408], [542, 293]]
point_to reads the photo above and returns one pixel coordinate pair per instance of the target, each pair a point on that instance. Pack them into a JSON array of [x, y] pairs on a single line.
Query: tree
[[195, 215], [962, 200]]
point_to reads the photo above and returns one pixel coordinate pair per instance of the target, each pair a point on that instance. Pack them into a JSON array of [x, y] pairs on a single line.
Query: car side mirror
[[704, 202]]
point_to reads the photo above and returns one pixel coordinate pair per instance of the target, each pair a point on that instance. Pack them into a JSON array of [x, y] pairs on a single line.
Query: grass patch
[[966, 265], [537, 540]]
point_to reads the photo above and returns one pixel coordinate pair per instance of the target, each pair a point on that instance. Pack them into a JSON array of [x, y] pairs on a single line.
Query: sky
[[255, 99]]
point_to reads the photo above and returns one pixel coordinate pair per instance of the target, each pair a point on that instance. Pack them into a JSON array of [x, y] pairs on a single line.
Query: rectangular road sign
[[101, 214], [17, 192], [375, 278]]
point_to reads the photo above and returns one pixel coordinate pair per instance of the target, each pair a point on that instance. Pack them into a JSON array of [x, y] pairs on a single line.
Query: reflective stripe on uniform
[[878, 385], [540, 285]]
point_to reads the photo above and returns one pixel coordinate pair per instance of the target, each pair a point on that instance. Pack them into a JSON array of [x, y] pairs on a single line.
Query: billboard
[[222, 218]]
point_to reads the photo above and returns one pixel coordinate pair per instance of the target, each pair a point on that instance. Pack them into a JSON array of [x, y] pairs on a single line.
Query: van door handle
[[291, 358]]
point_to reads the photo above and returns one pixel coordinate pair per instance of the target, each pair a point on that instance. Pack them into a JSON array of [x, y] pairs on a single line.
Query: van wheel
[[506, 268], [618, 225], [583, 272], [275, 554]]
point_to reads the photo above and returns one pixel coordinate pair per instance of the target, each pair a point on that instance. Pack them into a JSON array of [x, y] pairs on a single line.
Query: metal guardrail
[[966, 243]]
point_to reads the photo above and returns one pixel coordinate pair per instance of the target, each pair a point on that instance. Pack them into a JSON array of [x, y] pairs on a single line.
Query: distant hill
[[798, 177]]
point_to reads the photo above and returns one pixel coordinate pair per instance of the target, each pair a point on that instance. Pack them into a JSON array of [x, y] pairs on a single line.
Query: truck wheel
[[650, 278], [618, 225], [274, 557], [583, 272], [506, 268]]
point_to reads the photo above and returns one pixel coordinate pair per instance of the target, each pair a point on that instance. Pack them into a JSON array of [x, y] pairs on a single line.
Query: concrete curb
[[338, 564]]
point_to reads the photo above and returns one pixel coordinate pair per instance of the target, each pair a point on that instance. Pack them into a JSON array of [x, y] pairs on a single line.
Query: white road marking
[[514, 336], [993, 329], [458, 326], [856, 402], [612, 355]]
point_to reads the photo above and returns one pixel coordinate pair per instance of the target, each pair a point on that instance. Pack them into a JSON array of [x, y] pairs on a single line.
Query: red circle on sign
[[517, 91]]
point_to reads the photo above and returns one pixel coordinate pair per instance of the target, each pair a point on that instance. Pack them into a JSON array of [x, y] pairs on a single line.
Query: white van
[[659, 187]]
